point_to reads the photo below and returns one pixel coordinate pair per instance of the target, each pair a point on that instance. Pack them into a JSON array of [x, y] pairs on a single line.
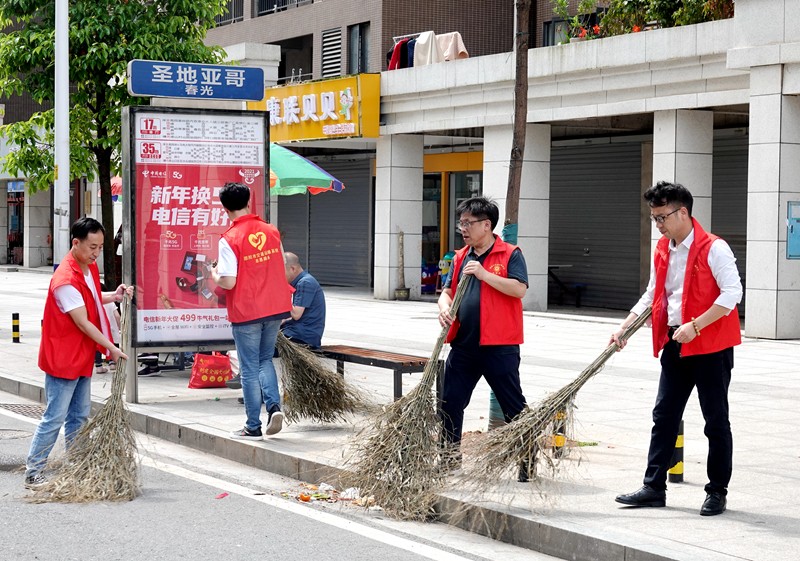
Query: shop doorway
[[16, 214], [463, 186]]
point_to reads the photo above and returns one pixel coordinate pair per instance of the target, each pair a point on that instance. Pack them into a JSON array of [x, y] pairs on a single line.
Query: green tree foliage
[[103, 36]]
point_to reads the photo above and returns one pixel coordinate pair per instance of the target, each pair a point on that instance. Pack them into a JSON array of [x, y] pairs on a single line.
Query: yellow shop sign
[[335, 108]]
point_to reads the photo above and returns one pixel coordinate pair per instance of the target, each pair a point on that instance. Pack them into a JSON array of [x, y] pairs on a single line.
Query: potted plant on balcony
[[578, 27]]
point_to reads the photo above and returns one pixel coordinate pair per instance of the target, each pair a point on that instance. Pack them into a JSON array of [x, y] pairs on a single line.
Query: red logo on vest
[[257, 240], [498, 269]]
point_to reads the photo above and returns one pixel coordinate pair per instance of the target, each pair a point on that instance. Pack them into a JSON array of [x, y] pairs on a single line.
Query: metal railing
[[263, 7], [234, 12], [295, 77]]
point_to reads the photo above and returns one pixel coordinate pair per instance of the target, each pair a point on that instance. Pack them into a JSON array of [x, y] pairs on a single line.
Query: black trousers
[[463, 369], [711, 374]]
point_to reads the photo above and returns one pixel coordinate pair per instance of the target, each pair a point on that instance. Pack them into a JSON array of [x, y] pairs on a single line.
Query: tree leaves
[[103, 36]]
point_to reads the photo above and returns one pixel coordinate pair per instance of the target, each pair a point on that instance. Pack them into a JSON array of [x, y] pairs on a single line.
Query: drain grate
[[32, 411]]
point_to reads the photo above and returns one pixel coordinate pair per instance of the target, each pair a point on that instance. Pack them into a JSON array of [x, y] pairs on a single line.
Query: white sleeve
[[227, 264], [647, 298], [68, 298], [723, 266]]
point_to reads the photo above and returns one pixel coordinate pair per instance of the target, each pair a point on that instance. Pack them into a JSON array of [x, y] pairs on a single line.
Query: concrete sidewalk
[[575, 516]]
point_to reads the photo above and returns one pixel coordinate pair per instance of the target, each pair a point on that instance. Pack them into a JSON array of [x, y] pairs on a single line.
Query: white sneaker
[[275, 423]]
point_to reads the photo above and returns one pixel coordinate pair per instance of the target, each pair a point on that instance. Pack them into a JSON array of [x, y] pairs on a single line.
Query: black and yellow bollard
[[675, 472], [559, 437], [15, 327]]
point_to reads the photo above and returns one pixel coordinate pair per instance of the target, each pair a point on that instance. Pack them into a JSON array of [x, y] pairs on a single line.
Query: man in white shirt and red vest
[[486, 333], [74, 326], [251, 269], [694, 290]]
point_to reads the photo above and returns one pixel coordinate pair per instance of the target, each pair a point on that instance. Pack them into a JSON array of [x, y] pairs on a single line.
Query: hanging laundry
[[427, 50], [452, 46], [399, 52]]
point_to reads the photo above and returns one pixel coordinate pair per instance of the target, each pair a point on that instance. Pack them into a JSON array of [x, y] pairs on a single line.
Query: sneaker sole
[[275, 423], [245, 437]]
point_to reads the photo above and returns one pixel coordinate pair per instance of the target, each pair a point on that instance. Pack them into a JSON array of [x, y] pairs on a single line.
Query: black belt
[[671, 331]]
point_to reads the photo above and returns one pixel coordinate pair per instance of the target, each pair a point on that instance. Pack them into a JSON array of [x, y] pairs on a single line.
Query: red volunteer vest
[[65, 351], [700, 290], [501, 315], [261, 289]]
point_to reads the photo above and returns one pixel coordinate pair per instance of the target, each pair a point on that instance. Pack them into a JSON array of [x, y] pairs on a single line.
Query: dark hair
[[481, 208], [82, 227], [664, 193], [234, 196]]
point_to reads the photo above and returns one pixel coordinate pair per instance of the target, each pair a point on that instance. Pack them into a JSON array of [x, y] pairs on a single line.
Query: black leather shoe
[[714, 504], [646, 496]]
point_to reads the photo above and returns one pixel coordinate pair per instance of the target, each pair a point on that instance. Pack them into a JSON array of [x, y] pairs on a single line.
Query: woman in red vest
[[694, 290], [74, 326], [486, 333]]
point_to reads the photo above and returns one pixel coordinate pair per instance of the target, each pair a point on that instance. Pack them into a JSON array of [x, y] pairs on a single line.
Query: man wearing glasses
[[486, 333], [694, 289]]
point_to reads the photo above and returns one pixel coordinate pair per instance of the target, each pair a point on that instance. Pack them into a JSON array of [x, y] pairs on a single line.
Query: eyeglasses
[[661, 218], [464, 224]]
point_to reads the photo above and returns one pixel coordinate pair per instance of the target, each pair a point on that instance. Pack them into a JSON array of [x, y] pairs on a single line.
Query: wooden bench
[[399, 363]]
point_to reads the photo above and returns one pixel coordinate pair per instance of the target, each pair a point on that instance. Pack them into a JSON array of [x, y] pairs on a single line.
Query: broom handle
[[614, 347], [459, 295], [118, 380]]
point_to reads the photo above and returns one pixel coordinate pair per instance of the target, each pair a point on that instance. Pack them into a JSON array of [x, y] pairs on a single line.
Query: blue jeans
[[68, 404], [255, 344]]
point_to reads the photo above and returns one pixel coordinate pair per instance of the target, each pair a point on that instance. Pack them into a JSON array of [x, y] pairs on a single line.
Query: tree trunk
[[521, 39], [111, 276], [520, 115]]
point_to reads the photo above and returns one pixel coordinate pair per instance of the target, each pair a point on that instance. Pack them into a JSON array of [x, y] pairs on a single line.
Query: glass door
[[463, 185]]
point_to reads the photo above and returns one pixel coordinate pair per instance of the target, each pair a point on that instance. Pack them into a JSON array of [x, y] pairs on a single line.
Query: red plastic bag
[[210, 371]]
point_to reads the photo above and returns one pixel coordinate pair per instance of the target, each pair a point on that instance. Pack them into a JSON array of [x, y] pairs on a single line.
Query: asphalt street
[[199, 507]]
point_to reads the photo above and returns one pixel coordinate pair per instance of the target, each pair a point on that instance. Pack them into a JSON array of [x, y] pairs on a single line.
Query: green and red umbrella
[[292, 174]]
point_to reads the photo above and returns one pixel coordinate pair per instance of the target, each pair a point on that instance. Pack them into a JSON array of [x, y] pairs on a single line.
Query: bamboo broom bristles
[[311, 389], [398, 460], [525, 441], [101, 464]]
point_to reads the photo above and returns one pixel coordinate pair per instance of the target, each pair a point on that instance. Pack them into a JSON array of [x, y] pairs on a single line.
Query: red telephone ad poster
[[181, 161]]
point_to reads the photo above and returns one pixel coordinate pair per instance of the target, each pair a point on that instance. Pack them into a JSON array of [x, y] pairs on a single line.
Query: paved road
[[179, 516]]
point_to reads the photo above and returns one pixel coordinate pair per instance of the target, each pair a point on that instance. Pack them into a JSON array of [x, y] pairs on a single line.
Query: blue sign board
[[192, 80], [16, 186]]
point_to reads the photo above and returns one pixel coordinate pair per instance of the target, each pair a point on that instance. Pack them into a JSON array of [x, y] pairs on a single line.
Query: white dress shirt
[[722, 264]]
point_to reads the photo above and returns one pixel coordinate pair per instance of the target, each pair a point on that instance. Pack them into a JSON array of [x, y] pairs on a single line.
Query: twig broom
[[101, 463], [398, 461], [527, 439], [311, 389]]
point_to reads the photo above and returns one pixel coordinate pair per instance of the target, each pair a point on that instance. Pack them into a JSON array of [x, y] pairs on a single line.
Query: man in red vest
[[251, 270], [74, 326], [486, 333], [694, 290]]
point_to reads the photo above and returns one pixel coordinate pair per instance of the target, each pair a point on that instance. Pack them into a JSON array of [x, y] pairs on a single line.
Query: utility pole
[[61, 224]]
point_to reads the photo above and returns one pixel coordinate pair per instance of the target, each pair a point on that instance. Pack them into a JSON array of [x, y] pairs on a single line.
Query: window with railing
[[263, 7], [234, 11]]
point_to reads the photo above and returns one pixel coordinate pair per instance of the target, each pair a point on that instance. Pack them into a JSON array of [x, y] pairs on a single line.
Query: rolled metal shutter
[[293, 225], [340, 227], [729, 197], [595, 209]]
